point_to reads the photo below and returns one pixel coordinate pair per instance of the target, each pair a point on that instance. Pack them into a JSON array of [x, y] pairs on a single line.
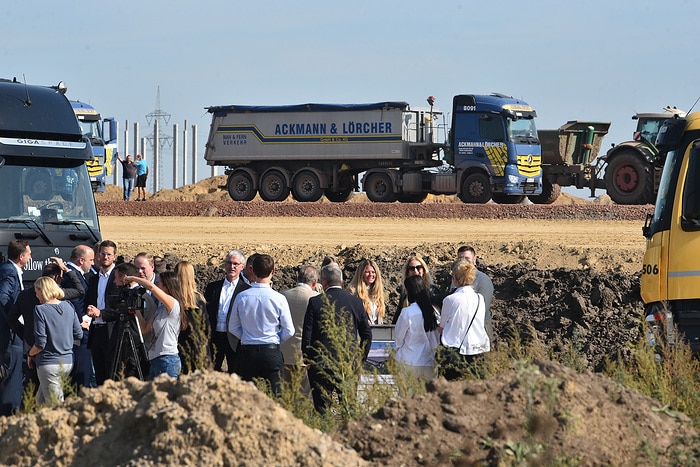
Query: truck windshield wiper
[[77, 224], [32, 224]]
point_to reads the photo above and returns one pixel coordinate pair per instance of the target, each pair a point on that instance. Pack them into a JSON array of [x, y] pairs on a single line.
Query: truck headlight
[[513, 179]]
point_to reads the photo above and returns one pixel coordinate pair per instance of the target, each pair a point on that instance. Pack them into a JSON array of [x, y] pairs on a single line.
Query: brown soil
[[568, 271]]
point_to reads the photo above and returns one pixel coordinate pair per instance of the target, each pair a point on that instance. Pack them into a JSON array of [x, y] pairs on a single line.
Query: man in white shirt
[[261, 319], [482, 285]]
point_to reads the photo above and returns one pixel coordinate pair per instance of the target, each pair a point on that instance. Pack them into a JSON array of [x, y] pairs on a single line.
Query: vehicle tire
[[273, 187], [412, 198], [476, 188], [501, 198], [379, 188], [550, 193], [240, 186], [338, 196], [629, 179], [306, 187]]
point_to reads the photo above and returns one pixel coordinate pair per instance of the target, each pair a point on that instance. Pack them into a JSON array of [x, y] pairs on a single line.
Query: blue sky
[[593, 60]]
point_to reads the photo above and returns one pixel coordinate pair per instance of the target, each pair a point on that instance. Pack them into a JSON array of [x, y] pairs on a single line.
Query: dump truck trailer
[[403, 152]]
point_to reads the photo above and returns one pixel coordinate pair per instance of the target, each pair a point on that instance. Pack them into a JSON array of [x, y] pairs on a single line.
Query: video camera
[[128, 300]]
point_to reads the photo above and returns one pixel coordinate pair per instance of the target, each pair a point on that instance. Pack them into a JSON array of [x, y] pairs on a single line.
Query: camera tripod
[[136, 352]]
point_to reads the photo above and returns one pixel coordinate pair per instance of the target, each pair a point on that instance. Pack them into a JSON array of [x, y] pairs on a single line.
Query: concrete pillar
[[194, 153], [184, 154], [176, 161], [136, 141]]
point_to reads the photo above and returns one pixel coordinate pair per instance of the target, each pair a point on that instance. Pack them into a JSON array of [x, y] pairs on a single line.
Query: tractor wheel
[[629, 179], [550, 193]]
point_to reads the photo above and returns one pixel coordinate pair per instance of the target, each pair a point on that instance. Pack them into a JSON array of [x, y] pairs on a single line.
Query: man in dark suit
[[219, 296], [349, 311], [11, 348], [81, 260], [101, 286]]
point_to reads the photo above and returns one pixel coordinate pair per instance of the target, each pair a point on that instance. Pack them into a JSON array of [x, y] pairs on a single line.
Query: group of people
[[94, 320], [134, 174]]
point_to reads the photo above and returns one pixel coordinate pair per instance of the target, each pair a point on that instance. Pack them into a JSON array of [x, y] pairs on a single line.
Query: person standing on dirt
[[298, 299], [416, 266], [219, 296], [463, 335], [141, 177], [100, 286], [261, 319], [11, 349], [346, 308], [128, 175], [482, 284]]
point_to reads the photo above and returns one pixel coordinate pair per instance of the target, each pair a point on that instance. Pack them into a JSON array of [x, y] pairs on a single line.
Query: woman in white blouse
[[416, 332]]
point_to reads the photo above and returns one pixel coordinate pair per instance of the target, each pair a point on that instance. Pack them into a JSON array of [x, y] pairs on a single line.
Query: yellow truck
[[670, 284]]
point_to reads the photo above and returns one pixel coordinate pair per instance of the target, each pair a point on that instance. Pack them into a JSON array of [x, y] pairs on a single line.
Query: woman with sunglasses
[[415, 266]]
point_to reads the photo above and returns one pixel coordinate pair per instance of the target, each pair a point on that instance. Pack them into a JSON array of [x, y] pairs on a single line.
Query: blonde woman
[[194, 336], [416, 266], [367, 284], [56, 327]]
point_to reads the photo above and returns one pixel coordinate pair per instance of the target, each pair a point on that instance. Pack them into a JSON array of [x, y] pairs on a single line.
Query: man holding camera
[[120, 308]]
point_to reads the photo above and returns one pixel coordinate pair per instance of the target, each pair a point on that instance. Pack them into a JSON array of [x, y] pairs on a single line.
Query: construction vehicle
[[633, 170], [492, 151], [670, 283], [103, 139], [629, 172], [569, 158], [47, 198]]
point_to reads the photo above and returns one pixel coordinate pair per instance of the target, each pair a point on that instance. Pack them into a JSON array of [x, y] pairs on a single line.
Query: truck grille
[[529, 165]]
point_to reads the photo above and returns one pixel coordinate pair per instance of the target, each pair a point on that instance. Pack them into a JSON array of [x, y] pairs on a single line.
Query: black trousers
[[262, 361], [221, 349], [321, 389]]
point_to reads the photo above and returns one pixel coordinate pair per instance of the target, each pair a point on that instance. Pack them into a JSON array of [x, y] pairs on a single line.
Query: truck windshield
[[662, 198], [55, 196], [522, 130], [92, 130]]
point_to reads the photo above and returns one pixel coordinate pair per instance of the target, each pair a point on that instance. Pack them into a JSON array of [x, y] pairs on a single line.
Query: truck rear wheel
[[338, 196], [476, 189], [501, 198], [240, 187], [306, 187], [550, 193], [379, 188], [629, 179], [273, 187]]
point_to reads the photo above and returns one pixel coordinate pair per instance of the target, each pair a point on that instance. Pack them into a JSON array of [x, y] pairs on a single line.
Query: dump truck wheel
[[338, 196], [379, 188], [476, 189], [273, 187], [629, 180], [550, 193], [501, 198], [240, 187], [306, 187], [412, 198]]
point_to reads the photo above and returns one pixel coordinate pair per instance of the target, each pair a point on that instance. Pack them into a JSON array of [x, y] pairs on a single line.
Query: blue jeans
[[128, 187], [169, 364]]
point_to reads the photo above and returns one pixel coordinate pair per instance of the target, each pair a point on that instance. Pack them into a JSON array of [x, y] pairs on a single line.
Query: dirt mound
[[539, 414], [201, 419]]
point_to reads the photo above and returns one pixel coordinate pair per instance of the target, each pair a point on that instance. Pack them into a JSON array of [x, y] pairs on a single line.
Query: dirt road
[[544, 244]]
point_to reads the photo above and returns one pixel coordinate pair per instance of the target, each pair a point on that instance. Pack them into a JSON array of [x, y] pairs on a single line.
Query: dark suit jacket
[[76, 280], [212, 294], [344, 303], [9, 291], [93, 282]]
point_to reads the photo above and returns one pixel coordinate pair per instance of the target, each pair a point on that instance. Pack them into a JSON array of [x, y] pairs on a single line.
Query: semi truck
[[48, 197], [670, 283], [403, 153], [103, 139]]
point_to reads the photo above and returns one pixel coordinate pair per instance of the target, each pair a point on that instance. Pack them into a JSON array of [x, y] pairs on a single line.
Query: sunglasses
[[415, 268]]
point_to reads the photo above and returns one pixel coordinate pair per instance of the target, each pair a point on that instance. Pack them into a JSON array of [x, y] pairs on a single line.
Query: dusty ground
[[570, 271]]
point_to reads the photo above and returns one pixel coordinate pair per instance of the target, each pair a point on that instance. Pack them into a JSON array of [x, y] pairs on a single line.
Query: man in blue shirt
[[141, 176], [261, 319]]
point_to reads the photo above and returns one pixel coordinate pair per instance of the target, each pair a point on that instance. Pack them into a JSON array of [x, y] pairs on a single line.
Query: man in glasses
[[482, 285], [219, 295]]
